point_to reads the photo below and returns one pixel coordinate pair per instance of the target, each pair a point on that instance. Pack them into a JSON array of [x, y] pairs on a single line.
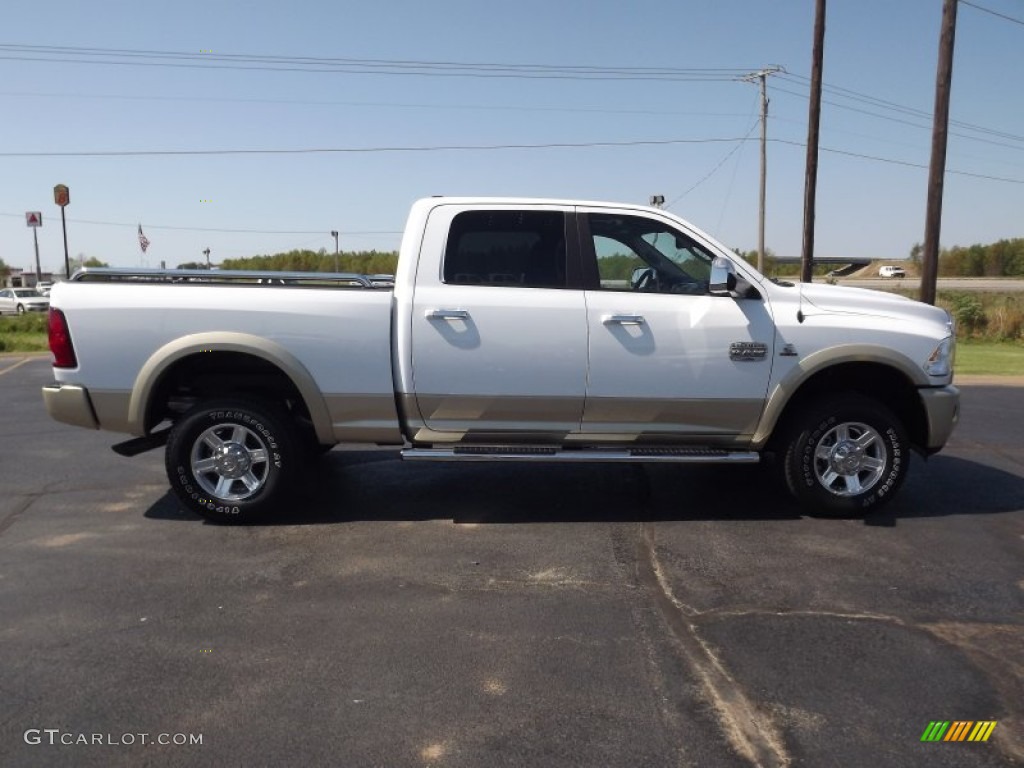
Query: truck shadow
[[376, 485]]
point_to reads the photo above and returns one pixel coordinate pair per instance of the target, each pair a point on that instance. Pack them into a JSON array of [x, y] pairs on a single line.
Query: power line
[[901, 108], [467, 147], [399, 105], [893, 161], [715, 169], [216, 229], [191, 60], [357, 71], [366, 150], [892, 119], [994, 13], [192, 55]]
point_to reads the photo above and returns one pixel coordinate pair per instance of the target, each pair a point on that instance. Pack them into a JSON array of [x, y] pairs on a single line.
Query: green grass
[[23, 333], [990, 358]]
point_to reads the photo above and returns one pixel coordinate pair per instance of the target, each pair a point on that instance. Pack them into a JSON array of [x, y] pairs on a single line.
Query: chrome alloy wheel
[[230, 462], [850, 459]]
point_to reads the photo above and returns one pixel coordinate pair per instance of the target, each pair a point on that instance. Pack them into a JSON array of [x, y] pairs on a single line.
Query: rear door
[[499, 331]]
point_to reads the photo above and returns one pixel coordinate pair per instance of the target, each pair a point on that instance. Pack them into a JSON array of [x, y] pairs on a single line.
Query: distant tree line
[[1004, 258], [773, 268], [363, 262]]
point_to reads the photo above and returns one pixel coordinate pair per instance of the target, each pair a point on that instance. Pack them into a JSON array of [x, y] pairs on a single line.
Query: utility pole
[[206, 253], [334, 234], [813, 122], [763, 77], [937, 168], [35, 241], [62, 196]]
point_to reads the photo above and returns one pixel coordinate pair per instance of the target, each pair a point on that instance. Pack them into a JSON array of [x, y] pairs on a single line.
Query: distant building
[[25, 278]]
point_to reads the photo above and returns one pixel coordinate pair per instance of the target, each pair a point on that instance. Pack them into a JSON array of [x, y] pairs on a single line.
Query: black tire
[[251, 472], [21, 309], [846, 455]]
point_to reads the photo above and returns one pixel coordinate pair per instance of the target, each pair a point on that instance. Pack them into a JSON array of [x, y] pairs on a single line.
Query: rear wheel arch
[[218, 365]]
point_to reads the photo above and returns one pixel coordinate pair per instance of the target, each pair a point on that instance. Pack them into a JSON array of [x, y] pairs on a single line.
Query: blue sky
[[882, 49]]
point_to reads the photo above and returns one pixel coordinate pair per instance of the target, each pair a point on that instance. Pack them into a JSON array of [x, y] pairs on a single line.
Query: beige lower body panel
[[93, 409], [942, 411], [364, 419], [69, 404], [112, 410], [670, 417], [557, 421]]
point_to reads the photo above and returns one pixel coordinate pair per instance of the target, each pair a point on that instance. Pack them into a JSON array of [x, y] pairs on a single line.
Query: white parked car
[[44, 288], [891, 271], [22, 300]]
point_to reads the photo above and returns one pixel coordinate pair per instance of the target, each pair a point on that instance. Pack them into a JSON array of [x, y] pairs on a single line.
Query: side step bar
[[138, 445], [546, 453]]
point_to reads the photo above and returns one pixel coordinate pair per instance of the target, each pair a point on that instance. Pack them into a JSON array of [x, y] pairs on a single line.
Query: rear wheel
[[21, 309], [232, 461], [846, 455]]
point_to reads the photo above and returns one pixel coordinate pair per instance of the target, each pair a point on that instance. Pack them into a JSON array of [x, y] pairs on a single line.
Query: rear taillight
[[60, 341]]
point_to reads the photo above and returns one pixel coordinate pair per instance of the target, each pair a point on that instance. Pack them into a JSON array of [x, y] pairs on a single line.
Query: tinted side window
[[635, 253], [523, 249]]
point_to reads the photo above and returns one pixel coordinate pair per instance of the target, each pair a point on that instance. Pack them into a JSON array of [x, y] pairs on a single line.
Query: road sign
[[33, 218], [61, 195]]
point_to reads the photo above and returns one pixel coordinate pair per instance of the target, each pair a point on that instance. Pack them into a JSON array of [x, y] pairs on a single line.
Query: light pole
[[206, 253], [334, 234]]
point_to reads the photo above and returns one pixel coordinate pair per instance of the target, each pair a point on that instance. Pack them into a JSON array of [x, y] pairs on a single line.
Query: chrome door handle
[[623, 320], [447, 314]]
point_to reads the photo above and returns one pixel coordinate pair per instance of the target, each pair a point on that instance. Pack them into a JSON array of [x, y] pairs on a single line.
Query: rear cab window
[[507, 248]]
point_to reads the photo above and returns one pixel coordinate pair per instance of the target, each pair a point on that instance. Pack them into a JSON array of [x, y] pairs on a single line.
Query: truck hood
[[863, 301]]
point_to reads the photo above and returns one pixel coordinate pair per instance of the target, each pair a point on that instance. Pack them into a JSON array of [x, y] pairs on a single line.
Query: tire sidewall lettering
[[824, 416], [184, 480]]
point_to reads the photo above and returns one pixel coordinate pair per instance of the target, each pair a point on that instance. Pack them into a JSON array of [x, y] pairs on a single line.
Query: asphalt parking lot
[[485, 615]]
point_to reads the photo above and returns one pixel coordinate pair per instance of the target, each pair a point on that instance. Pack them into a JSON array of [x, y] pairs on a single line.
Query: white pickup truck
[[514, 330]]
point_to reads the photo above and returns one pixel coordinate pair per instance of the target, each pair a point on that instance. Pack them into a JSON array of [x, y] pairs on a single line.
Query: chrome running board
[[551, 453]]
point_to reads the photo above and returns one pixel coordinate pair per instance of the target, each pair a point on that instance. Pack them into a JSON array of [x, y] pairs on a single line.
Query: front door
[[667, 360]]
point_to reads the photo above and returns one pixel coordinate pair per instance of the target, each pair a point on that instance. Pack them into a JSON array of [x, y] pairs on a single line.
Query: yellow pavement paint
[[18, 364]]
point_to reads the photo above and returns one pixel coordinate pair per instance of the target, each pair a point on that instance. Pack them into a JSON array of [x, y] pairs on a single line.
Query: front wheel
[[846, 455], [21, 309], [232, 461]]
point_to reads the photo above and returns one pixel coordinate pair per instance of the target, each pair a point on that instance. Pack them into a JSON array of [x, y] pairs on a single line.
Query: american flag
[[143, 240]]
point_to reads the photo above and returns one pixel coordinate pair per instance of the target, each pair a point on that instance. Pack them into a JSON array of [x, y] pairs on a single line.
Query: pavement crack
[[27, 501], [732, 614], [750, 732]]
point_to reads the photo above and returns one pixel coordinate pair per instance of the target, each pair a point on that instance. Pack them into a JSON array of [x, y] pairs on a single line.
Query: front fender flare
[[781, 394]]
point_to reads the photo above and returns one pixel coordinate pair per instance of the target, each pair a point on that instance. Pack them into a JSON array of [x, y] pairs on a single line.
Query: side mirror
[[723, 278]]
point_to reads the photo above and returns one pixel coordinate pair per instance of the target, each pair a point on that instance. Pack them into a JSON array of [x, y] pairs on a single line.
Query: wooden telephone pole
[[937, 168], [763, 77], [813, 121]]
